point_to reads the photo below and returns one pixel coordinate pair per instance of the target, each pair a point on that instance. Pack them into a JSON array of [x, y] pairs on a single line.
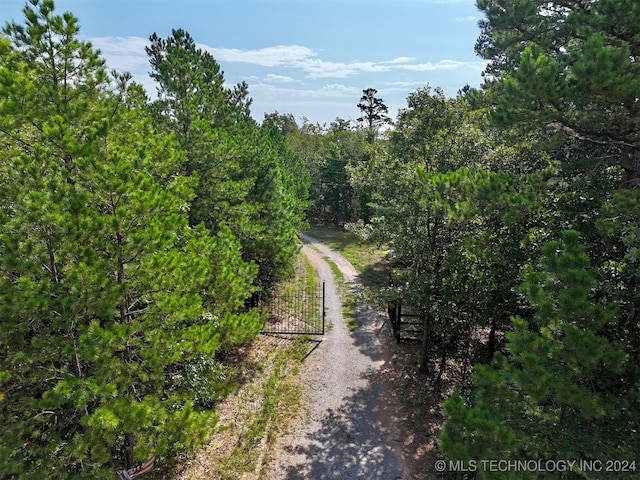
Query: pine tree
[[571, 67], [554, 395], [242, 181], [374, 112], [194, 105], [106, 292]]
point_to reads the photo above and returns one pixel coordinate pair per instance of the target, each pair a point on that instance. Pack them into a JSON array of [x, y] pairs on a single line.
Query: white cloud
[[317, 68], [400, 60], [404, 85], [279, 78], [128, 54], [280, 55], [334, 90], [443, 65], [295, 78], [324, 103], [339, 90], [305, 59], [125, 54]]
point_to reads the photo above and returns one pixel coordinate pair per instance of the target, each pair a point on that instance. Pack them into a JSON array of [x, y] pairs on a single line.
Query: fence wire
[[296, 312]]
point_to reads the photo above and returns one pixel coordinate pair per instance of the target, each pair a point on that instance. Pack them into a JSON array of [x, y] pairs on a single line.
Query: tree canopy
[[134, 229], [132, 233], [570, 66]]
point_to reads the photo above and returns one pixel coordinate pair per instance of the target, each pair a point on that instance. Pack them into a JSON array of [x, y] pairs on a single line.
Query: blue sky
[[309, 58]]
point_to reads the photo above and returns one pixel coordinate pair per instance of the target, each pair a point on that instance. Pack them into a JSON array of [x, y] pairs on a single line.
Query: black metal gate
[[299, 312], [404, 329]]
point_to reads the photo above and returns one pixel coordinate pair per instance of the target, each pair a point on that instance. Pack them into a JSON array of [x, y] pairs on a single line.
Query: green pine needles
[[553, 396], [113, 300]]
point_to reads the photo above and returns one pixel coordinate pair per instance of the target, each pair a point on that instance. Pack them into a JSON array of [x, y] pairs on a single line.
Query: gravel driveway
[[349, 431]]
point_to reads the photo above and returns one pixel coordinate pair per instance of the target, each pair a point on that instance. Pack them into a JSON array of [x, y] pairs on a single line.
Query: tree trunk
[[493, 344], [425, 350], [129, 443]]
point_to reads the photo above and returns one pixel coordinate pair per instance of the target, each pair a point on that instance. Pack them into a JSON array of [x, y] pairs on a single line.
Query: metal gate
[[404, 329], [301, 312]]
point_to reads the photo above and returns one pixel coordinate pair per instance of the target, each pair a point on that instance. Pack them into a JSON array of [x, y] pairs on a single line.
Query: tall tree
[[102, 280], [242, 182], [572, 68], [374, 112], [194, 104], [565, 80]]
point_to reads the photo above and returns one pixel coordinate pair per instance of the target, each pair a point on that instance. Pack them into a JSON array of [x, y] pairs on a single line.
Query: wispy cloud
[[468, 18], [339, 90], [334, 90], [279, 78], [443, 65], [278, 55], [316, 68], [327, 100], [128, 54], [307, 60], [125, 54], [400, 60], [404, 85], [295, 78]]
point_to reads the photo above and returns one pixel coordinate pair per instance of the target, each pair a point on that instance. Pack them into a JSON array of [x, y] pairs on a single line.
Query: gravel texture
[[347, 429]]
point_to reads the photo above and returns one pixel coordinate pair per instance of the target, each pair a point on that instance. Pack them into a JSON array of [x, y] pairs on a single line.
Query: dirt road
[[348, 430]]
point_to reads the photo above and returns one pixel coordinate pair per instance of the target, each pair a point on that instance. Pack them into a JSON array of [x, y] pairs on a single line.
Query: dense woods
[[511, 217], [134, 229]]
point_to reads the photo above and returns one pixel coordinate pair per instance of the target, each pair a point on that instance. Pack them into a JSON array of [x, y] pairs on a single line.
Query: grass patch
[[337, 273], [312, 277], [304, 278], [369, 259], [276, 399], [347, 298], [358, 253], [350, 306]]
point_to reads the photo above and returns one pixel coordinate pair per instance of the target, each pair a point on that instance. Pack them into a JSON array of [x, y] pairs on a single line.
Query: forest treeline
[[511, 216], [133, 231]]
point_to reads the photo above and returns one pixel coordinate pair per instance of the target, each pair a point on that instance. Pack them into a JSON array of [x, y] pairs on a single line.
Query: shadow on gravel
[[364, 337], [353, 440], [349, 444], [406, 400]]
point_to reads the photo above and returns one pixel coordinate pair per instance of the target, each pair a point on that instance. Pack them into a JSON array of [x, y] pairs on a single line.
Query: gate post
[[398, 320], [392, 310], [323, 309]]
